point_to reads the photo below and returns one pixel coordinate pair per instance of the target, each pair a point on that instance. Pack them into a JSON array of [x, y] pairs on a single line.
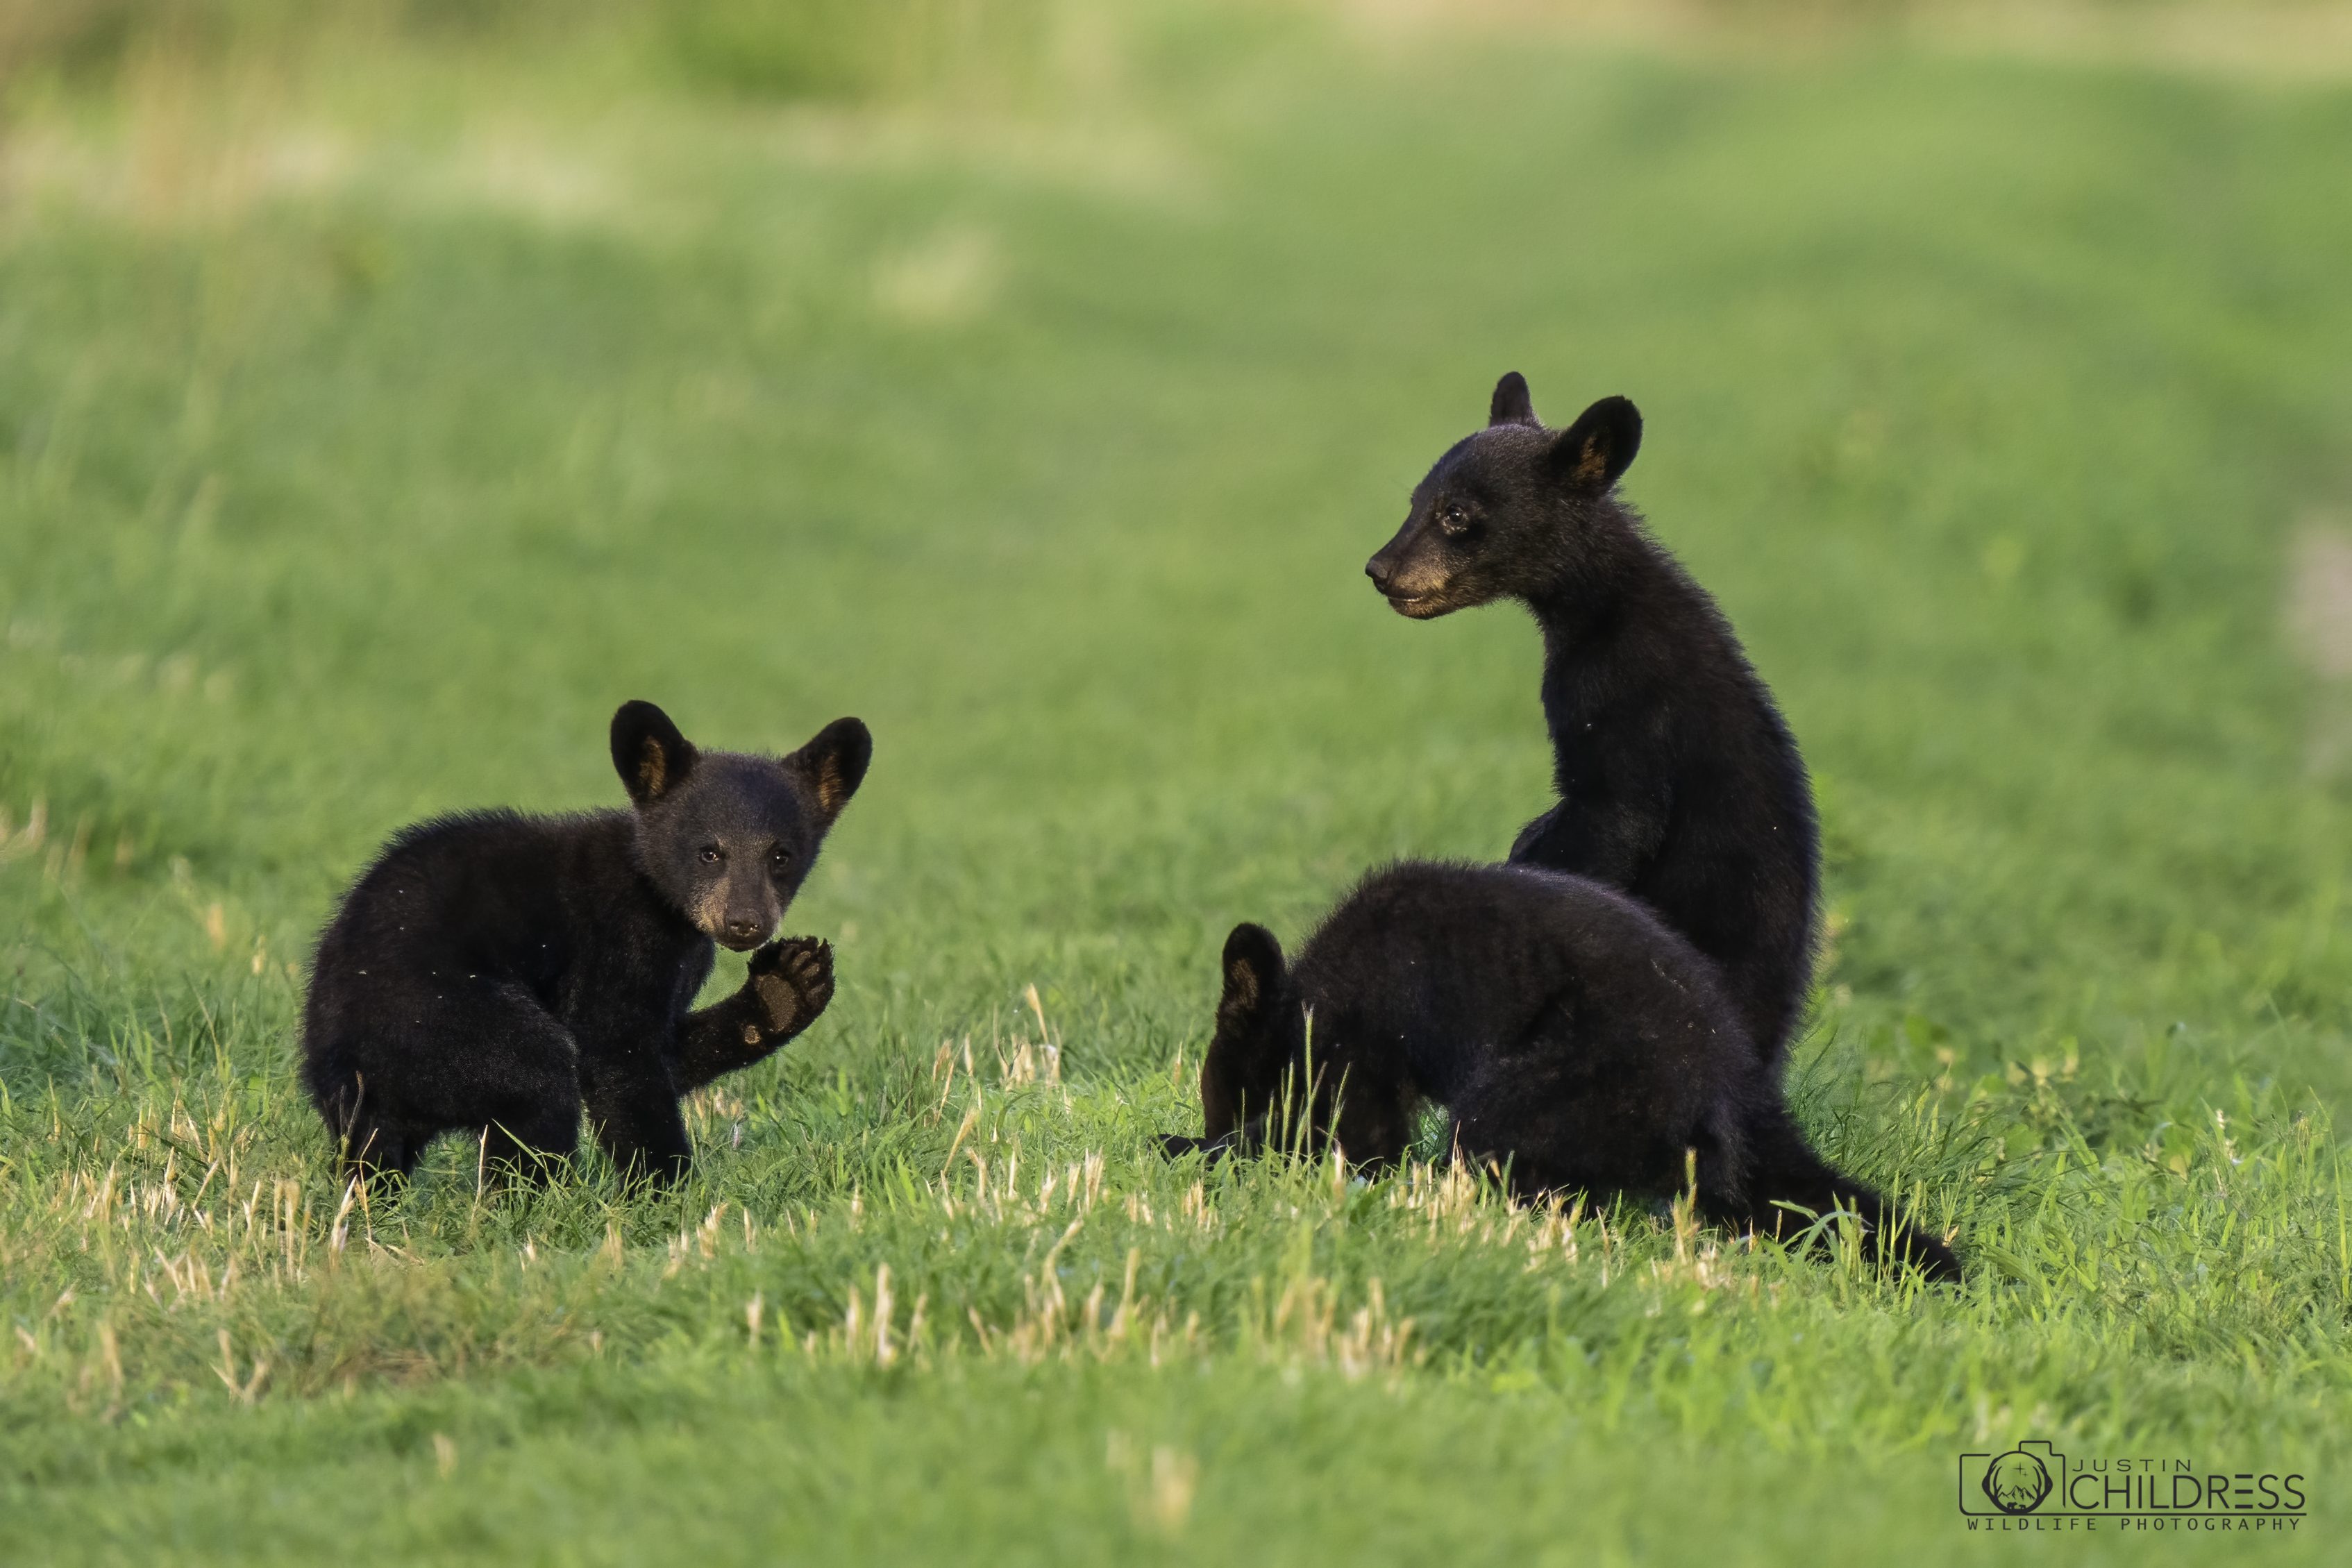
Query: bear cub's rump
[[1573, 1038], [497, 974]]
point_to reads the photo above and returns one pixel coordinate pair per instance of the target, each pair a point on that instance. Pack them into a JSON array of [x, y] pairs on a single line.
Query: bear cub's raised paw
[[792, 981]]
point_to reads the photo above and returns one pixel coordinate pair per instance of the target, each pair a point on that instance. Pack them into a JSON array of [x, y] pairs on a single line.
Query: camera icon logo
[[2022, 1479]]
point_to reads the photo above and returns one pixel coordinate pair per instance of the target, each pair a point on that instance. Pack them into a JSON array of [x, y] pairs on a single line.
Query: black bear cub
[[1573, 1037], [498, 974], [1678, 781]]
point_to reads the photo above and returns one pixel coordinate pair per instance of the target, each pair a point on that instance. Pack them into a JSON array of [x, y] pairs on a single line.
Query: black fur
[[498, 974], [1678, 780], [1576, 1041]]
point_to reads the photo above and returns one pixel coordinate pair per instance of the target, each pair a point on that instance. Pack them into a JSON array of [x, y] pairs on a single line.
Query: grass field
[[369, 430]]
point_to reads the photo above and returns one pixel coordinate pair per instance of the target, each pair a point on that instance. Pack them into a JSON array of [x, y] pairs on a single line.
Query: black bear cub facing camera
[[497, 975], [1576, 1042], [1678, 781]]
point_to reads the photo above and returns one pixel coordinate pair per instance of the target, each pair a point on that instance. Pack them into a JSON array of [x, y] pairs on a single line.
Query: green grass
[[367, 434]]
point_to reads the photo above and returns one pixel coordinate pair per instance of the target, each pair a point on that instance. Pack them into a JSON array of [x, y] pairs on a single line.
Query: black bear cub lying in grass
[[498, 974], [1678, 781], [1572, 1036]]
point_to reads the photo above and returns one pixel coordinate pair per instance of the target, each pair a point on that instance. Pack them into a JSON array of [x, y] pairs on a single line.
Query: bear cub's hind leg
[[486, 1062], [534, 1149]]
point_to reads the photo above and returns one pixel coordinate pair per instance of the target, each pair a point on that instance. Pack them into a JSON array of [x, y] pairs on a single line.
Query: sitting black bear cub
[[1678, 781], [1572, 1036], [498, 974]]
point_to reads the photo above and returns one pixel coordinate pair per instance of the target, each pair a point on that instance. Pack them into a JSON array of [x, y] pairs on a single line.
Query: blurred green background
[[387, 391]]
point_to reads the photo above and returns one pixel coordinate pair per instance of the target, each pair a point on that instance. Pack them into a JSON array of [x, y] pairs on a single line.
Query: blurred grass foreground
[[389, 390]]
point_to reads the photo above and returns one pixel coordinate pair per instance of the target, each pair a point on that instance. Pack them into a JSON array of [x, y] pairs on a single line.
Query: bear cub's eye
[[1452, 518], [712, 855], [780, 856]]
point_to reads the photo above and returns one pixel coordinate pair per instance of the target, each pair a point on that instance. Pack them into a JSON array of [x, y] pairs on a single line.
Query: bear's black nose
[[743, 930], [1380, 576]]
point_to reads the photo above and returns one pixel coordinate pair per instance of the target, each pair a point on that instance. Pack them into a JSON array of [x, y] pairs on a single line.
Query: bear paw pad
[[792, 981]]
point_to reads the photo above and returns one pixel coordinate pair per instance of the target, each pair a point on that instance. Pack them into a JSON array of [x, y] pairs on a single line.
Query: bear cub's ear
[[1253, 970], [834, 762], [1599, 447], [651, 756], [1512, 404]]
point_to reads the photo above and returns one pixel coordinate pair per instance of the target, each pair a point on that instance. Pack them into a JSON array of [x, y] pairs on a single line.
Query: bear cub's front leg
[[790, 983]]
